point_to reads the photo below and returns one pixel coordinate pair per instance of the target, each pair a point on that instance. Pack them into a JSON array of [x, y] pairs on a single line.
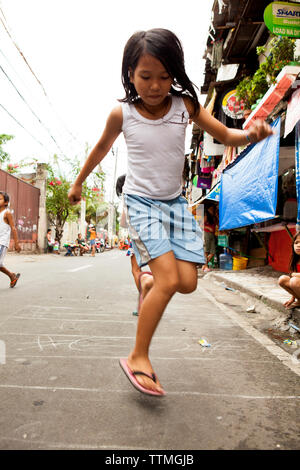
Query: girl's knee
[[283, 280], [170, 285], [294, 282], [188, 285]]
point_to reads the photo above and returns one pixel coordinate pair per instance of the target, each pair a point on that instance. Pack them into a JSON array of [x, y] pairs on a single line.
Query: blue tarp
[[249, 184], [214, 194]]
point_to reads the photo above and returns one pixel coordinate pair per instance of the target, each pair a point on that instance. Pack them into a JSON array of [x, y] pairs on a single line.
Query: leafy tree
[[4, 156], [58, 207]]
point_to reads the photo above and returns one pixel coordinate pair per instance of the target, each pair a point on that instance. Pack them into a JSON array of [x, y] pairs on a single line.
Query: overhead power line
[[21, 125], [7, 29], [35, 115]]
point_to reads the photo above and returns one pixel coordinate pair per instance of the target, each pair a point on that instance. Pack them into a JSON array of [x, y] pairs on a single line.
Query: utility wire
[[39, 82], [21, 125], [35, 115]]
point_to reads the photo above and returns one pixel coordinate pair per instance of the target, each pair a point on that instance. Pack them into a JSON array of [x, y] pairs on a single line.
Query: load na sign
[[283, 19]]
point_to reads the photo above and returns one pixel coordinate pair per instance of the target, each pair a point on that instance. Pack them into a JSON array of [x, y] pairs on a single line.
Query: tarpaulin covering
[[249, 184]]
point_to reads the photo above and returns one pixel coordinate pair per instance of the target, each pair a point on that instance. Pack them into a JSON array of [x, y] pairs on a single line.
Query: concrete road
[[63, 329]]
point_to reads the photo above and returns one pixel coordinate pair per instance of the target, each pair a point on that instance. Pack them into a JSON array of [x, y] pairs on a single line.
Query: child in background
[[93, 234], [291, 282], [56, 247], [160, 100], [210, 223], [6, 227]]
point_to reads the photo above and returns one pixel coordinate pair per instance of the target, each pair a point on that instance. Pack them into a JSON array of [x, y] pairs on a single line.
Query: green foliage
[[251, 89], [58, 207], [4, 156]]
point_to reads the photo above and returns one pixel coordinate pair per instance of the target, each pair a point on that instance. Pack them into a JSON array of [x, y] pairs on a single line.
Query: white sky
[[75, 49]]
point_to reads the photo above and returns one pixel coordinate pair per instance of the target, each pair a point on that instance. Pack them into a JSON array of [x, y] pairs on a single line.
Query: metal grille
[[24, 205]]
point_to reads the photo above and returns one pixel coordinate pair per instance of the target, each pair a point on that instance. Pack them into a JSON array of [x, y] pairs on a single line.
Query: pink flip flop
[[140, 299], [131, 375], [14, 282]]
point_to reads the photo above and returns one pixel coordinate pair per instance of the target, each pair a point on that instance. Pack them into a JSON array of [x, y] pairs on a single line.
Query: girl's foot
[[293, 305], [144, 365], [14, 280]]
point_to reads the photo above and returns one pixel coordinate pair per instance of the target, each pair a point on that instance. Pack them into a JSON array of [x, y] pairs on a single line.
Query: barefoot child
[[291, 283], [6, 227], [160, 99]]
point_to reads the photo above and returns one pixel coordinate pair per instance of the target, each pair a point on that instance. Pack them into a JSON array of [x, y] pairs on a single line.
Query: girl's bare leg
[[295, 288], [146, 280], [136, 270], [11, 275], [284, 282], [170, 276]]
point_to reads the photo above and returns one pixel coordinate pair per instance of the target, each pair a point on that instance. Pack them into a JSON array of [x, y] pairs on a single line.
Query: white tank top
[[156, 151], [4, 230]]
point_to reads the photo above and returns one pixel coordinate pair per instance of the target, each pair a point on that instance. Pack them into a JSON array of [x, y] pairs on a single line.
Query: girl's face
[[151, 80], [2, 201], [297, 246]]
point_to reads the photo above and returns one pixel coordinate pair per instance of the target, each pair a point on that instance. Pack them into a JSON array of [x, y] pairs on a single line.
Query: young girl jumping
[[291, 283], [160, 99]]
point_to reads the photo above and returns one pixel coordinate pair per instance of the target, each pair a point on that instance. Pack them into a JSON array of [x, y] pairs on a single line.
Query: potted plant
[[252, 89], [281, 53]]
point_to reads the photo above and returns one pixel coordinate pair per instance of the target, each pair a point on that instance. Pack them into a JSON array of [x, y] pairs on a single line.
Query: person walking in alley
[[210, 223], [6, 227], [291, 282], [92, 231], [160, 100]]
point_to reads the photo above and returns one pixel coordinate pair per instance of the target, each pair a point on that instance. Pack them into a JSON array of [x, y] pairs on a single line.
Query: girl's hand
[[289, 302], [17, 247], [258, 131], [74, 194]]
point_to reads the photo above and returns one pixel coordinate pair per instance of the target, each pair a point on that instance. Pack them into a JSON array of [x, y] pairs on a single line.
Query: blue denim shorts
[[3, 250], [157, 227]]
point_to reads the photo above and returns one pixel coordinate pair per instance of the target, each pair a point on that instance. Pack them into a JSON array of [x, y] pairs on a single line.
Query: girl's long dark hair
[[166, 47], [294, 258]]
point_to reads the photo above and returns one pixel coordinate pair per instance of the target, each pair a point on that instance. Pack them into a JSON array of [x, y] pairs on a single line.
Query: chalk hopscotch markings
[[86, 266], [43, 342], [76, 320]]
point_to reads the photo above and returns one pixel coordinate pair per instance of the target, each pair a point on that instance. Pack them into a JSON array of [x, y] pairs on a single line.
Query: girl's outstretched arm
[[112, 130], [258, 131]]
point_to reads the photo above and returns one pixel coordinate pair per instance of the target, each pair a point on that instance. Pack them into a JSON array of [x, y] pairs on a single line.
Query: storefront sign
[[231, 106], [210, 148], [283, 19]]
